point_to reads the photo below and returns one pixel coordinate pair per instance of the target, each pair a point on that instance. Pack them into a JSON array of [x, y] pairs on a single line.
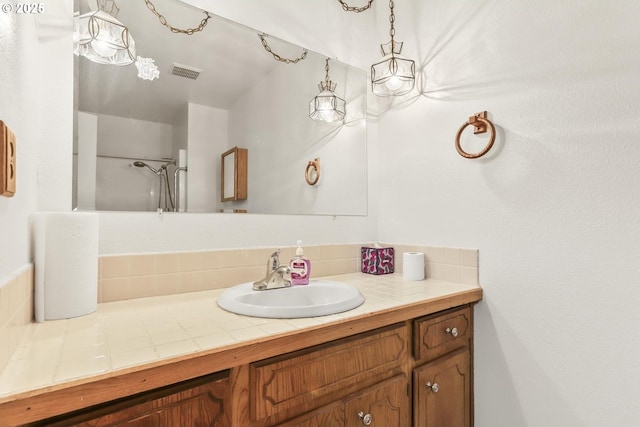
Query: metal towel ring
[[480, 124], [312, 172]]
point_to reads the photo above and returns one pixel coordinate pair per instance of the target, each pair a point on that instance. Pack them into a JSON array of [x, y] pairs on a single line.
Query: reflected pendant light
[[101, 38], [327, 106], [394, 75]]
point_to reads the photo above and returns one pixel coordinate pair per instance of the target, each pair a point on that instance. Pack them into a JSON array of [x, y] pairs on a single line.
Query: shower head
[[140, 164]]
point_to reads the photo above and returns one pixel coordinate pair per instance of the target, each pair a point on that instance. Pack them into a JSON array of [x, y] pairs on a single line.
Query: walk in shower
[[163, 188], [167, 199], [137, 184]]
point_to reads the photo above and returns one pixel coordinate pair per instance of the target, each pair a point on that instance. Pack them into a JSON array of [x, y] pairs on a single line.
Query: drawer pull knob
[[434, 387], [367, 419], [452, 331]]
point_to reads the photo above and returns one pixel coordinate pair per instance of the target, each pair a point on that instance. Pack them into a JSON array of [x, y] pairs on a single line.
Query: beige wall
[[16, 311]]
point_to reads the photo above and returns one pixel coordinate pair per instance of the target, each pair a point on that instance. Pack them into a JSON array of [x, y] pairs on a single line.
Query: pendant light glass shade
[[394, 75], [327, 106], [103, 39]]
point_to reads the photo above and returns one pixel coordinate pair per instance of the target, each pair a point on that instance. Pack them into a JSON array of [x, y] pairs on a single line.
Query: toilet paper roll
[[66, 260], [413, 265]]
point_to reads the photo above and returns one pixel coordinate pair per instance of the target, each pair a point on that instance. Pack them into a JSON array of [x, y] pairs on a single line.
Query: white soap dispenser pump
[[302, 265]]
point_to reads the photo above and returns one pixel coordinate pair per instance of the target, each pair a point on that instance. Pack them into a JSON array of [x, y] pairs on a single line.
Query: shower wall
[[119, 142], [206, 140]]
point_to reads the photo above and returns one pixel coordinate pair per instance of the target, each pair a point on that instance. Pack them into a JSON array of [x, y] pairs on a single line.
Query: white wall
[[180, 135], [52, 103], [554, 208], [207, 140], [84, 180], [36, 104], [280, 130], [128, 137]]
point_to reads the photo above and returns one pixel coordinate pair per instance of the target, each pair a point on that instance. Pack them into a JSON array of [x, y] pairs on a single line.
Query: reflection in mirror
[[240, 96], [228, 176], [234, 174]]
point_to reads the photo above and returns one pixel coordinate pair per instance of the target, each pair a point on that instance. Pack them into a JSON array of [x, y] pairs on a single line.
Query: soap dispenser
[[301, 264]]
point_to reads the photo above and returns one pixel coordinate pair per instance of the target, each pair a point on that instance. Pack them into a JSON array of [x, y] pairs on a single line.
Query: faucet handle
[[274, 259]]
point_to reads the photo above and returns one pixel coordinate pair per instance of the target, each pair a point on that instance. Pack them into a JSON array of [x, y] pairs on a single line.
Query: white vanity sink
[[319, 298]]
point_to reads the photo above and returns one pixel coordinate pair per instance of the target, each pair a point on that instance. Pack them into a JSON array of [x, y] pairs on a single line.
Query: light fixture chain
[[326, 69], [392, 19], [263, 38], [348, 8], [163, 21]]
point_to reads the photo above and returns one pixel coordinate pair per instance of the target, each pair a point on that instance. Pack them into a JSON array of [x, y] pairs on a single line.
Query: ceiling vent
[[185, 71]]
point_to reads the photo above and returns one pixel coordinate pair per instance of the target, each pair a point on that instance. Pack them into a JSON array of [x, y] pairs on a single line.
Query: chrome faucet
[[274, 279]]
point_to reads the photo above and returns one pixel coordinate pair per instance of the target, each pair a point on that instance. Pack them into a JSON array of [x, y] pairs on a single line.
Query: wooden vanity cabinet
[[329, 415], [442, 378], [438, 394], [442, 392], [417, 372], [386, 404], [353, 370], [200, 402]]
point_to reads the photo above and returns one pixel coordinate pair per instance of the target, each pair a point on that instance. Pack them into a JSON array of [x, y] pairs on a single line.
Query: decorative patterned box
[[377, 260]]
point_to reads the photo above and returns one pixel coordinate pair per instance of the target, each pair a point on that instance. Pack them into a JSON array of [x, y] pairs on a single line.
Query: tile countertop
[[128, 336]]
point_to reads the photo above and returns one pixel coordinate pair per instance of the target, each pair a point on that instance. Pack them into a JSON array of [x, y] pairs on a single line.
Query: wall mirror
[[143, 145]]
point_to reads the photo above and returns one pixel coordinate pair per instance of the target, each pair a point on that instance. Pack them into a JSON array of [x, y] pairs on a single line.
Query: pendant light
[[101, 38], [394, 75], [327, 106]]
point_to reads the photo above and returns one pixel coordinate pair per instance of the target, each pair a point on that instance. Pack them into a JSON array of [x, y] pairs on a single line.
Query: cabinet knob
[[367, 419], [434, 387], [452, 331]]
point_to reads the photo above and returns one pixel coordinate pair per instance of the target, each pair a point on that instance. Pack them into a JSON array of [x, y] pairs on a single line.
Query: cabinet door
[[327, 416], [293, 384], [385, 405], [442, 392], [201, 402], [441, 333]]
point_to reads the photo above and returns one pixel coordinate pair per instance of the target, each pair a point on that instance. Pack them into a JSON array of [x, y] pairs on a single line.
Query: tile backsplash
[[141, 275], [16, 311], [122, 277], [450, 264]]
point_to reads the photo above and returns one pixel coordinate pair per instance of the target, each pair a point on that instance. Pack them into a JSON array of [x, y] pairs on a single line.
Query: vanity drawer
[[290, 385], [439, 334]]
